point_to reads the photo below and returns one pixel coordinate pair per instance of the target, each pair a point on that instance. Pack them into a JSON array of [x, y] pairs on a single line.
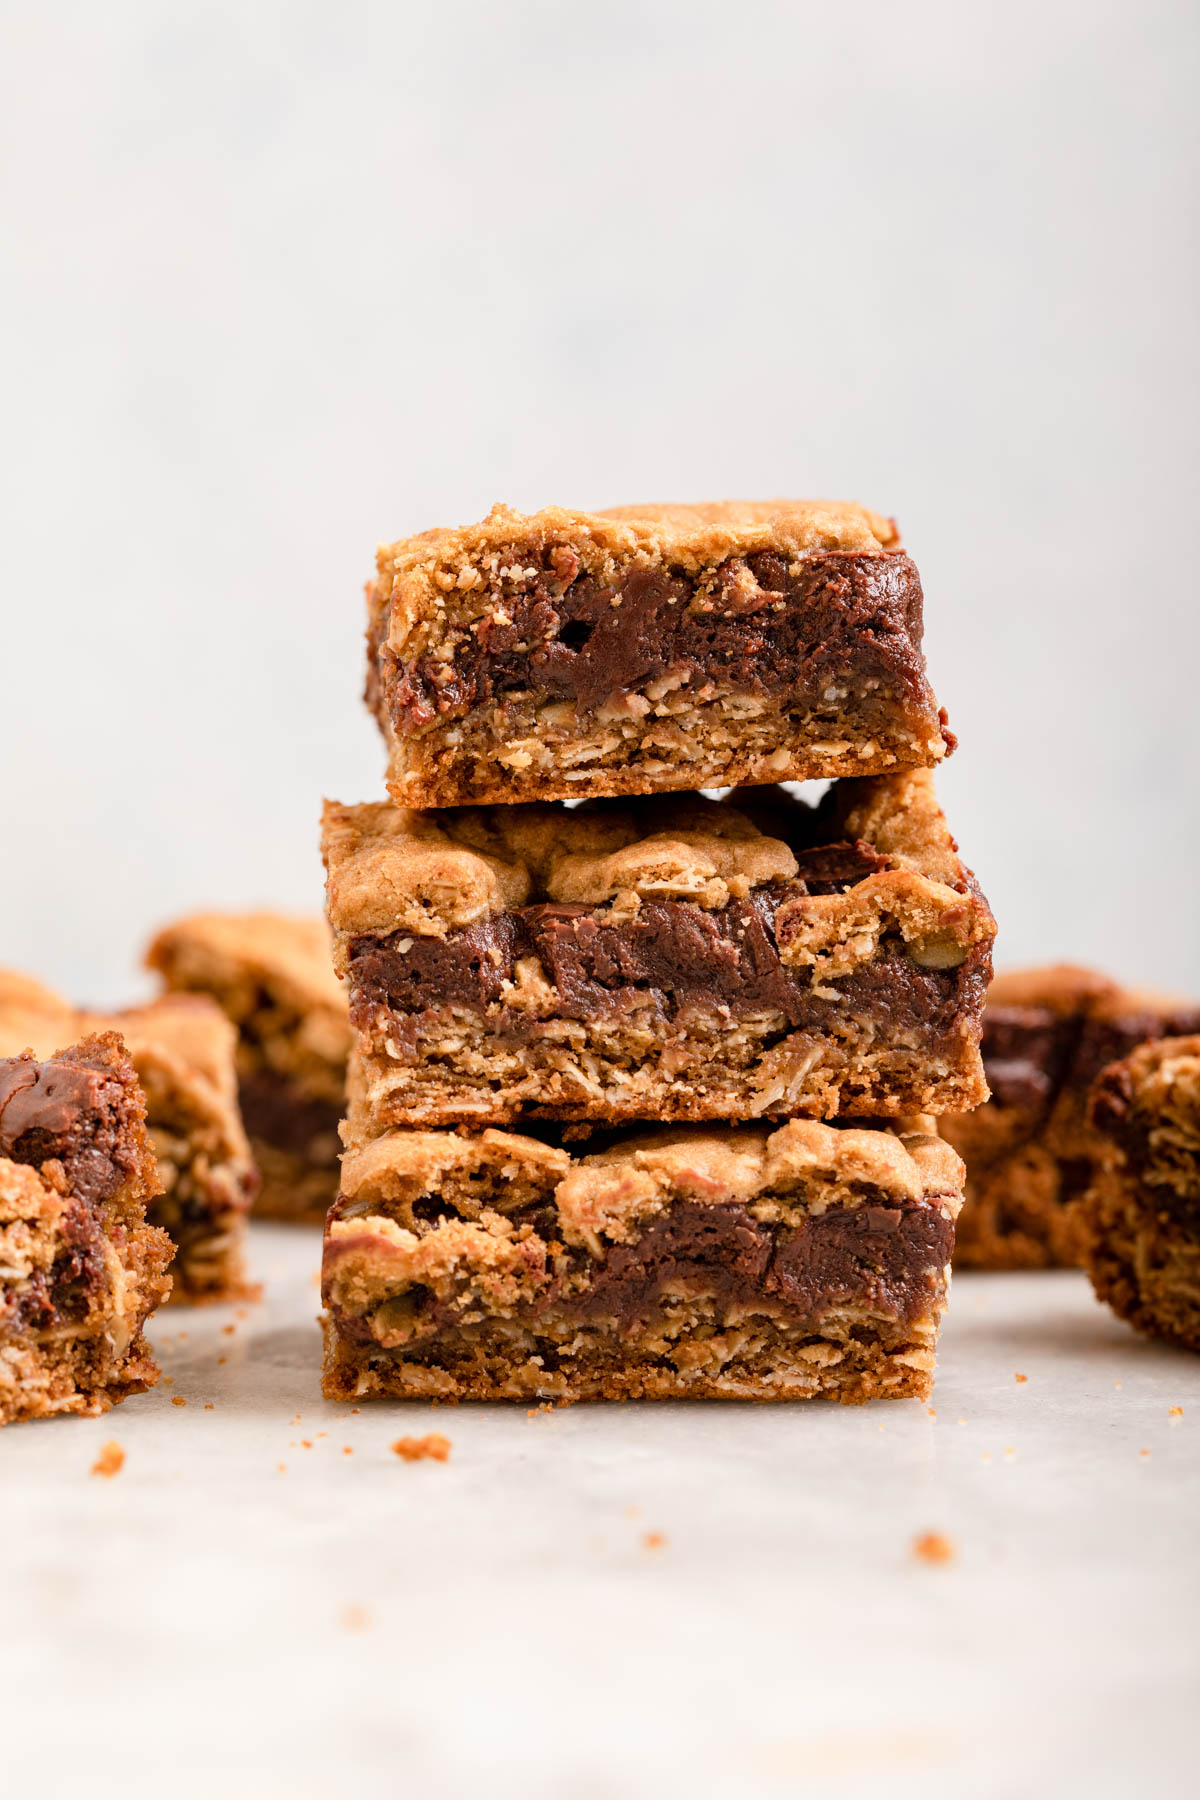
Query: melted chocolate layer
[[1031, 1053], [670, 957], [277, 1112], [789, 632], [885, 1257]]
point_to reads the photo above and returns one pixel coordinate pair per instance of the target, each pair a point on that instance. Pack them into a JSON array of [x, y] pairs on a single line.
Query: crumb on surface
[[228, 1330], [653, 1540], [347, 1449], [306, 1443], [178, 1400], [355, 1409], [110, 1461], [208, 1406], [222, 1359], [932, 1547], [1144, 1453], [168, 1381], [1175, 1412], [1020, 1377], [282, 1467], [432, 1447], [932, 1411], [355, 1618]]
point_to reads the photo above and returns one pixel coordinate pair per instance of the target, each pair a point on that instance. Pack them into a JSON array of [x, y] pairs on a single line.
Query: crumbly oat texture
[[669, 959], [272, 976], [567, 655], [1031, 1151], [1140, 1218], [182, 1050], [80, 1268], [745, 1263]]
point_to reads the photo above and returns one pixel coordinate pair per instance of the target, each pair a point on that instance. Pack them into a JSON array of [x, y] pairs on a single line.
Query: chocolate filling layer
[[803, 634], [278, 1112], [670, 958], [884, 1257], [1030, 1053]]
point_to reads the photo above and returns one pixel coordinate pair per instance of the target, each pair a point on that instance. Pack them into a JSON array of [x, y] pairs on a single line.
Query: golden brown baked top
[[801, 1164], [687, 535], [1067, 989], [287, 954]]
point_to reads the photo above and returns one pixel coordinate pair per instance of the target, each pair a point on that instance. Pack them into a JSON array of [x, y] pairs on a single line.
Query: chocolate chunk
[[789, 632], [73, 1109]]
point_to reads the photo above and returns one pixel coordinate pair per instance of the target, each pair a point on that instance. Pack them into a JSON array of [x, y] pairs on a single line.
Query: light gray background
[[284, 280]]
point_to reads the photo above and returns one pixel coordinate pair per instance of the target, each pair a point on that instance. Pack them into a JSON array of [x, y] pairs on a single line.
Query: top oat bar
[[566, 655]]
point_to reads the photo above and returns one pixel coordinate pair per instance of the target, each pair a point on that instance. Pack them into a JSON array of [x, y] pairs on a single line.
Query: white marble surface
[[240, 1613]]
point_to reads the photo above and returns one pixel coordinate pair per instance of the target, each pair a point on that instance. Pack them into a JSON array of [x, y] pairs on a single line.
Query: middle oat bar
[[670, 959]]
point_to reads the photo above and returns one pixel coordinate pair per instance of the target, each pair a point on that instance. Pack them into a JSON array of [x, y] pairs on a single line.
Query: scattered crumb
[[322, 1434], [962, 1421], [1116, 1384], [355, 1618], [168, 1381], [347, 1449], [1175, 1412], [932, 1411], [228, 1330], [282, 1467], [1020, 1378], [306, 1443], [1145, 1453], [241, 1313], [933, 1548], [208, 1406], [110, 1461], [653, 1540], [183, 1337], [433, 1447], [222, 1359], [178, 1400], [1009, 1452], [296, 1420]]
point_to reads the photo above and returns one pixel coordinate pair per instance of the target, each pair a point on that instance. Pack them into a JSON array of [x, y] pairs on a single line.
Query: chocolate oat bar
[[1140, 1218], [668, 959], [744, 1263], [271, 975], [80, 1268], [181, 1047], [564, 655], [1030, 1152]]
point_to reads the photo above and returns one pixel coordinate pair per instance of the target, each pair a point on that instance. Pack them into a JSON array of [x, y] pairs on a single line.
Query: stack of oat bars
[[642, 1077]]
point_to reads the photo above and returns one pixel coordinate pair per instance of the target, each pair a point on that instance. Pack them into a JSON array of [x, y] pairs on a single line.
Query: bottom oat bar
[[272, 975], [1141, 1217], [80, 1269], [182, 1049], [736, 1263], [1030, 1151]]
